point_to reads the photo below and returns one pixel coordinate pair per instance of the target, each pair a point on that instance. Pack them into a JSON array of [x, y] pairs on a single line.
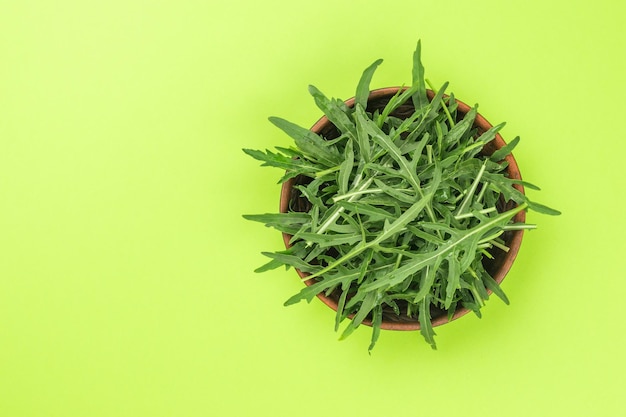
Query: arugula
[[402, 209]]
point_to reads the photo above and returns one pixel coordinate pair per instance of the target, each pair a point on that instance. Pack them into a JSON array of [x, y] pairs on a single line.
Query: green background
[[126, 283]]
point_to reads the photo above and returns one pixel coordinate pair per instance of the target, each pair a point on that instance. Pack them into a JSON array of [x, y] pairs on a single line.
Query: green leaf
[[363, 138], [427, 237], [423, 260], [420, 99], [377, 318], [273, 264], [387, 144], [363, 88], [494, 287], [309, 142], [346, 168], [426, 327], [394, 192], [292, 260], [505, 150], [409, 215], [540, 208], [471, 190], [284, 162], [309, 293], [340, 306], [328, 240], [460, 129], [369, 302], [486, 137], [435, 104], [428, 278], [272, 219], [396, 101], [311, 193], [383, 169], [335, 113], [373, 213], [454, 274]]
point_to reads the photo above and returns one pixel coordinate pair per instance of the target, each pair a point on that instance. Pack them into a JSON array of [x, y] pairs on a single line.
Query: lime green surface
[[126, 283]]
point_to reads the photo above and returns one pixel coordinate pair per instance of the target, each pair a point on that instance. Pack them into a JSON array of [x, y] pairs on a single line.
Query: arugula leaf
[[363, 88], [346, 168], [419, 97], [426, 327], [335, 113], [308, 142], [505, 150]]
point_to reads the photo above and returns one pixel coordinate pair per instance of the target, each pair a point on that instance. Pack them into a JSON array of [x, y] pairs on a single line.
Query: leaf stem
[[340, 209], [356, 192], [327, 171], [499, 245], [520, 226], [482, 192], [444, 105], [483, 211], [472, 190]]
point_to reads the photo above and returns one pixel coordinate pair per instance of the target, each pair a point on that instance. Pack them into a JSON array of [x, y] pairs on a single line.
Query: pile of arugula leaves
[[400, 211]]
